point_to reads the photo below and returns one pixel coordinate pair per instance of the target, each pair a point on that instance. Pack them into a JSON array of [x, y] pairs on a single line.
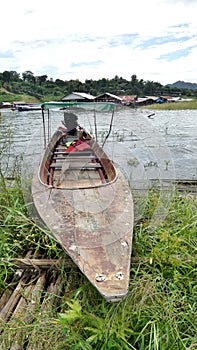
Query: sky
[[155, 40]]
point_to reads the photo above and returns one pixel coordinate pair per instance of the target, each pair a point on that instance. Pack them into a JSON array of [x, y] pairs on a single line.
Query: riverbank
[[159, 311], [50, 95], [182, 105]]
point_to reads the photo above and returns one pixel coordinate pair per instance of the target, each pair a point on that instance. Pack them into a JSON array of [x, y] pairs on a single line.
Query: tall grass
[[160, 311]]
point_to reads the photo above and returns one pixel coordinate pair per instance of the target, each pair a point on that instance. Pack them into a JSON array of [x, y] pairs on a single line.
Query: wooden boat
[[28, 108], [5, 105], [86, 203]]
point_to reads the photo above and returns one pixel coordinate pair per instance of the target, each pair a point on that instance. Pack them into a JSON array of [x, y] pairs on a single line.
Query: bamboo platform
[[32, 277], [37, 286]]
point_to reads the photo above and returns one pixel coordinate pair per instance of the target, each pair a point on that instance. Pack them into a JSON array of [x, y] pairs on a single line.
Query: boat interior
[[75, 161]]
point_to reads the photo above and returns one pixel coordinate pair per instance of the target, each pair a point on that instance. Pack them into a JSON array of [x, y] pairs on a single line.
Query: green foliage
[[38, 89], [13, 97], [74, 313]]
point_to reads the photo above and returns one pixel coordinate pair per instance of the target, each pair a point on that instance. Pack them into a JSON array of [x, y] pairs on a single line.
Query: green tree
[[59, 82], [134, 79], [149, 88], [6, 76], [28, 76], [14, 76], [41, 79]]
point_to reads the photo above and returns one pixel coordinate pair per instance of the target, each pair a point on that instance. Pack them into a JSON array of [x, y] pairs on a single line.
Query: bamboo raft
[[37, 287], [32, 278], [35, 279]]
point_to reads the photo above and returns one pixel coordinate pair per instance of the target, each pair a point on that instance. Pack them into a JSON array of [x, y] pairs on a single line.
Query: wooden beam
[[87, 166], [25, 263]]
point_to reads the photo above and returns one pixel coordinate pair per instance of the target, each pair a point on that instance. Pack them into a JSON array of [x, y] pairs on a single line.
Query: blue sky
[[155, 39]]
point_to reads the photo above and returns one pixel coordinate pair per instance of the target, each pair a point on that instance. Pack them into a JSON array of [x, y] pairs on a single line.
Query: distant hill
[[183, 85]]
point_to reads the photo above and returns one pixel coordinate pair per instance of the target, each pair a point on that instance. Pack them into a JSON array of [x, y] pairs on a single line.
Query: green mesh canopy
[[89, 106]]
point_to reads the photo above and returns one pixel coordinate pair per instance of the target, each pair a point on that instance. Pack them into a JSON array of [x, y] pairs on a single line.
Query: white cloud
[[78, 40]]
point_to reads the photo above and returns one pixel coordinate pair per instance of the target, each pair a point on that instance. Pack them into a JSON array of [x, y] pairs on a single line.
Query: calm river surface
[[163, 146]]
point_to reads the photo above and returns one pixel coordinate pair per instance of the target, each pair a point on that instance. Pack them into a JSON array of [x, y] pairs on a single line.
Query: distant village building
[[107, 97], [128, 100], [161, 99], [144, 101], [170, 98], [78, 97]]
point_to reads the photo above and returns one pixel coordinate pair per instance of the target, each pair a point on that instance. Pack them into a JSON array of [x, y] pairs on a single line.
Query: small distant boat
[[85, 201], [26, 108], [5, 105]]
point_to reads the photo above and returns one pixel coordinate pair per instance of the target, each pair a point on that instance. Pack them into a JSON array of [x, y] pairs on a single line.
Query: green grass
[[182, 105], [10, 97], [160, 311]]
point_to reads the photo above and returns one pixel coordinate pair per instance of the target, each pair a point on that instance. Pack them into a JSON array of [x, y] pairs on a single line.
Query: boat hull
[[94, 225]]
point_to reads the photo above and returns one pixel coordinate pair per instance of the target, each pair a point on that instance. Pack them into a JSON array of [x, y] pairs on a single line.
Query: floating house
[[129, 100], [107, 97], [78, 97]]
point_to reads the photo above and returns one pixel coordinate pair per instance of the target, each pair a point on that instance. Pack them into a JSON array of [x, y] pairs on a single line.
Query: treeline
[[44, 88]]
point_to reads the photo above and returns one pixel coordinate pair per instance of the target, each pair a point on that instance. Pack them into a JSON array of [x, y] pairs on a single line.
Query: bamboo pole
[[24, 263]]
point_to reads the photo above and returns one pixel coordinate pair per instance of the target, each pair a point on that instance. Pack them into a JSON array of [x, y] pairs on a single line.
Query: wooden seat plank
[[74, 158], [75, 166], [81, 153]]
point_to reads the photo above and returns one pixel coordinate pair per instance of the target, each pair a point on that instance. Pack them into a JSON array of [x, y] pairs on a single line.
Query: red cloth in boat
[[79, 145]]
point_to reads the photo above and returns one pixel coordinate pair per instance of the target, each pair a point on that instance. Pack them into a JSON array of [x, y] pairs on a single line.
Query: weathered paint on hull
[[95, 227]]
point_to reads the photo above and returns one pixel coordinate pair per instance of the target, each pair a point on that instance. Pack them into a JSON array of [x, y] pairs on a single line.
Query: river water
[[163, 146]]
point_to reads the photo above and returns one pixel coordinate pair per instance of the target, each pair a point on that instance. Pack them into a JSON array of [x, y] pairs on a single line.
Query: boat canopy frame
[[87, 106]]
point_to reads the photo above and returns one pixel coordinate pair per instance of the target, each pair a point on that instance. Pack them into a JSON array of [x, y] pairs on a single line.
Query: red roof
[[129, 98]]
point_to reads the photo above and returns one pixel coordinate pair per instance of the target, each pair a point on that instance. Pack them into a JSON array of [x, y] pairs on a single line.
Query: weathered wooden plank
[[81, 153], [49, 302], [83, 166], [32, 263], [74, 158], [5, 297], [27, 306], [54, 289], [25, 263], [12, 302], [35, 297], [22, 303]]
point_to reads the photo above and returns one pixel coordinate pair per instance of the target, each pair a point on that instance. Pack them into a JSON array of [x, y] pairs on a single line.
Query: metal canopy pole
[[44, 129], [110, 127], [49, 134], [95, 126]]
